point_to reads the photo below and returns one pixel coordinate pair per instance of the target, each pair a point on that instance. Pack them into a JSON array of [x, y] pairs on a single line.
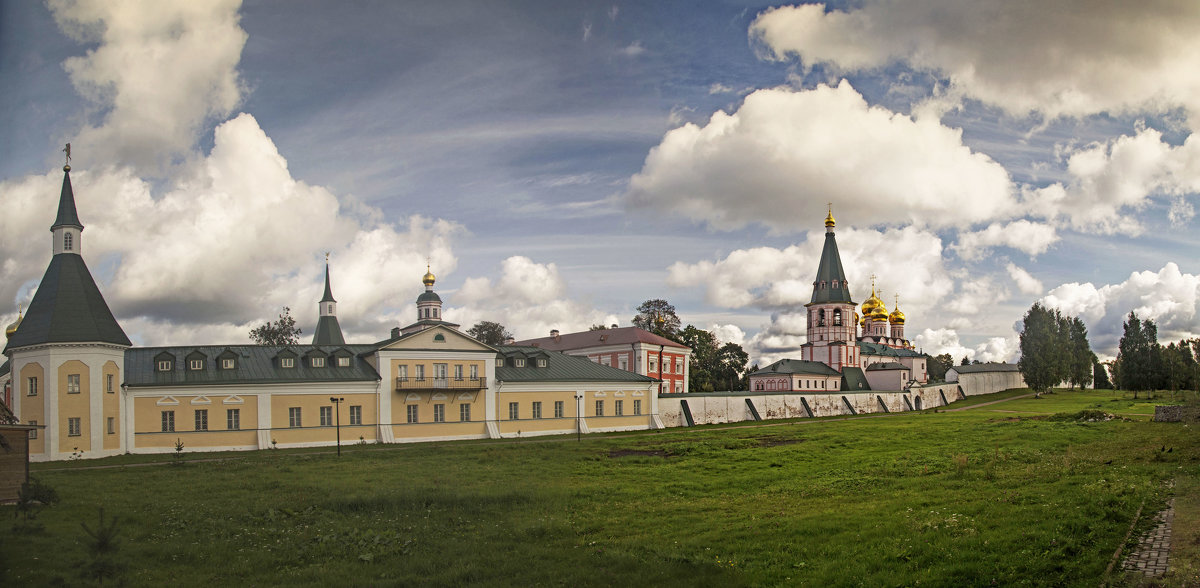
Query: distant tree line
[[715, 365], [1054, 349], [1143, 364]]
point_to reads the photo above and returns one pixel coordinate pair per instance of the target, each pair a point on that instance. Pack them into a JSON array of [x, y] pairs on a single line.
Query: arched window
[[821, 318], [67, 241], [837, 317], [758, 385]]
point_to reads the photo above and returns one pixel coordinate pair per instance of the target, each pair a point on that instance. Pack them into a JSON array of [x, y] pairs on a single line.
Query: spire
[[67, 217], [830, 284], [328, 331], [328, 297]]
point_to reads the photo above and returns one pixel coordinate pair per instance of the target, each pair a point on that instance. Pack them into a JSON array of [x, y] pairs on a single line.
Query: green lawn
[[958, 498]]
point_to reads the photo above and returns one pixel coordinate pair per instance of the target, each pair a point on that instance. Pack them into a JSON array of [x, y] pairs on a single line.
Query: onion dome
[[428, 279], [12, 329], [897, 317], [880, 313], [829, 221], [872, 305]]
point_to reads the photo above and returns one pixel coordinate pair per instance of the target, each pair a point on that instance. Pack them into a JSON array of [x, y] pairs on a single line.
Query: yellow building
[[74, 372]]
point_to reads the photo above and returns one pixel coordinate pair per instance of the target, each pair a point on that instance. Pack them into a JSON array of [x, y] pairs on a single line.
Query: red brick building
[[628, 348]]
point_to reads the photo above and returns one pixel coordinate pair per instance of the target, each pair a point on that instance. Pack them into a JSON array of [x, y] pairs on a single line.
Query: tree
[[965, 361], [1134, 355], [1081, 360], [1100, 377], [489, 333], [596, 327], [1041, 361], [938, 365], [657, 316], [732, 360], [281, 332], [702, 373]]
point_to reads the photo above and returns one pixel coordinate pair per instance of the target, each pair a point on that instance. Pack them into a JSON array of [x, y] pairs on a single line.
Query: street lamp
[[337, 415]]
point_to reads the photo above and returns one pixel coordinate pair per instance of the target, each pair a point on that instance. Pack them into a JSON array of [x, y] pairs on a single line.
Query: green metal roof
[[869, 348], [797, 366], [428, 297], [559, 368], [328, 297], [887, 365], [67, 308], [255, 364], [67, 217], [328, 332], [830, 272], [854, 380]]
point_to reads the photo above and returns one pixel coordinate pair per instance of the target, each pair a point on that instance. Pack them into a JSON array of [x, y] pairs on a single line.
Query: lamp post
[[578, 416], [337, 416]]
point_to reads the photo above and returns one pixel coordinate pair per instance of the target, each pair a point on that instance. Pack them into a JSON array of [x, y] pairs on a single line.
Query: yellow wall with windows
[[111, 404], [450, 428], [310, 429], [33, 408], [74, 406], [525, 422], [410, 368], [425, 399], [148, 421]]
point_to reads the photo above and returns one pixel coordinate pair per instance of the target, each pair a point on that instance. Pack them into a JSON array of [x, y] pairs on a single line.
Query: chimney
[[509, 340], [554, 335], [395, 332], [614, 325]]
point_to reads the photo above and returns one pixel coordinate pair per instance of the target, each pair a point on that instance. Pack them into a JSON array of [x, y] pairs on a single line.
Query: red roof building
[[628, 348]]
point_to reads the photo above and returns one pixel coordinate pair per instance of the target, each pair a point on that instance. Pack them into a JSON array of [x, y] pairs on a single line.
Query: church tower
[[897, 321], [831, 310], [429, 304], [328, 332], [68, 353]]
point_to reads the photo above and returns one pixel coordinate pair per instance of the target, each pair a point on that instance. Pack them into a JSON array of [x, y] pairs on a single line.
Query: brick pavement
[[1153, 552]]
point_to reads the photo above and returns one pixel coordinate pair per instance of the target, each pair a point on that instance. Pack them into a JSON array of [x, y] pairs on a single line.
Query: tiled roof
[[559, 368], [68, 308], [797, 366], [600, 338], [985, 367], [255, 364]]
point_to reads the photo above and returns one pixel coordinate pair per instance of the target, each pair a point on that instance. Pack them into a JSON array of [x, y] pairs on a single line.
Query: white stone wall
[[731, 407]]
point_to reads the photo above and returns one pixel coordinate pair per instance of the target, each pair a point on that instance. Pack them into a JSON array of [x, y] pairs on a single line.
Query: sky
[[557, 163]]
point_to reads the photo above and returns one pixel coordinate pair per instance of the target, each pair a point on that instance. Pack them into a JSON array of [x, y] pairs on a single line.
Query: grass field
[[1022, 492]]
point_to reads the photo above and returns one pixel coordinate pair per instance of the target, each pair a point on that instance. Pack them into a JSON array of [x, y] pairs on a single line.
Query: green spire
[[67, 217], [830, 272]]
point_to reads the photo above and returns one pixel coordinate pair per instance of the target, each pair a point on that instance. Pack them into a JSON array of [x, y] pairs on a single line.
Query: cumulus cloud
[[943, 340], [1022, 235], [1026, 283], [632, 50], [1069, 58], [161, 72], [783, 154], [1169, 297], [528, 298], [1109, 180]]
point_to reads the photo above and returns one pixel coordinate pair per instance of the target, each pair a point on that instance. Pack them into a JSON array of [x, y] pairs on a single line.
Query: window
[[558, 409], [402, 372], [653, 365], [287, 362], [31, 384], [619, 407], [168, 421], [164, 365], [667, 366], [326, 416], [474, 372], [412, 413], [419, 371], [72, 383], [679, 366], [195, 364], [537, 410], [33, 431], [318, 362], [233, 419], [837, 317], [623, 363], [343, 362], [519, 362], [599, 408], [108, 383], [330, 306], [439, 413], [464, 412], [439, 338], [604, 360], [294, 417], [67, 241], [228, 363], [202, 420], [679, 387], [112, 425], [73, 427], [637, 406], [356, 415], [514, 412], [458, 371]]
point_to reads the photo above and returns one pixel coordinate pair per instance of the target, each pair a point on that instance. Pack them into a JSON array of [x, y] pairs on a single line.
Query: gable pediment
[[428, 339]]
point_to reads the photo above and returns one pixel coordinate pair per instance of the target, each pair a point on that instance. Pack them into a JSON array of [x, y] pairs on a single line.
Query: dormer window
[[541, 363], [318, 362], [519, 362], [343, 362], [228, 363], [67, 241], [164, 365], [287, 362], [195, 364], [835, 284]]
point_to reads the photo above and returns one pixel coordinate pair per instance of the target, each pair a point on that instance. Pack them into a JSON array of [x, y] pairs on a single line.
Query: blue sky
[[557, 163]]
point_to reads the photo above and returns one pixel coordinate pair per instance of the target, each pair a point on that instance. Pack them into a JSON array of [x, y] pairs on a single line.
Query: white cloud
[[1169, 297], [632, 50], [1026, 283], [1022, 235], [162, 71], [943, 340], [783, 154], [728, 333], [1069, 58], [1109, 181]]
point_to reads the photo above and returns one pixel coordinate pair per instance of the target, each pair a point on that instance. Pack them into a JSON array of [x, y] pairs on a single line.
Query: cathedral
[[845, 350], [72, 375]]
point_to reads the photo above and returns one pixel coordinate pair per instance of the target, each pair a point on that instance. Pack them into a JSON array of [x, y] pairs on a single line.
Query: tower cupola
[[429, 304], [328, 331]]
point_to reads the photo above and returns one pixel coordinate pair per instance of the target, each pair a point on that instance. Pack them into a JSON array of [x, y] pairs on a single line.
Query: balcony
[[419, 384]]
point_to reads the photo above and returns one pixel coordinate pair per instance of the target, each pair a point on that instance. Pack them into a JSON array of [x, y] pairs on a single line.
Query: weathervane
[[326, 258], [67, 150]]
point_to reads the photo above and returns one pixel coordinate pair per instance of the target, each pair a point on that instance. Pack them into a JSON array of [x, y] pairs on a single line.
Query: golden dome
[[829, 222], [12, 329], [428, 279], [897, 317], [872, 306], [880, 313]]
